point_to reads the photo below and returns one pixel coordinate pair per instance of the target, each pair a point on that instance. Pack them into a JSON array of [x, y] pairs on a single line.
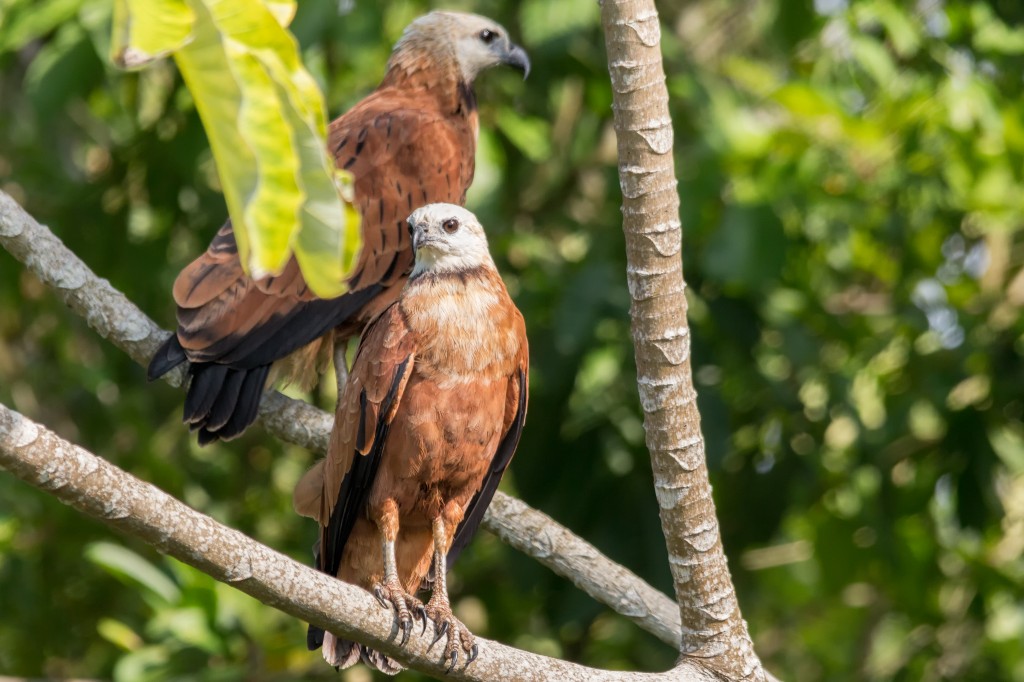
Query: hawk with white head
[[428, 421]]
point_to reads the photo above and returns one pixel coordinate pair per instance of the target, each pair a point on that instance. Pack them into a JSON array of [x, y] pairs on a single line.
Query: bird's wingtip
[[168, 356]]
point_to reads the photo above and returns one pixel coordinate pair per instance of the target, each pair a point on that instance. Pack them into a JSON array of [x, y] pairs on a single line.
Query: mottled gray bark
[[714, 632], [101, 490]]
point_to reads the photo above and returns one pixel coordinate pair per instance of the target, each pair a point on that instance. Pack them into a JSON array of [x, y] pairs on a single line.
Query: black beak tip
[[517, 59]]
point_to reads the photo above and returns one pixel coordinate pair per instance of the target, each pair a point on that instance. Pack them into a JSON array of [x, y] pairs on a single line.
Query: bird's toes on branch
[[392, 594], [458, 635]]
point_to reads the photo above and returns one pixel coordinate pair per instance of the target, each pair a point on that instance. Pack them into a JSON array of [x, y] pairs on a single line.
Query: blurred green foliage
[[851, 182]]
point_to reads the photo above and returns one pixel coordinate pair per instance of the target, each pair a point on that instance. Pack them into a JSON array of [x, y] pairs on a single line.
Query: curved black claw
[[455, 660], [458, 636], [442, 628], [405, 625], [421, 613], [378, 592], [391, 594]]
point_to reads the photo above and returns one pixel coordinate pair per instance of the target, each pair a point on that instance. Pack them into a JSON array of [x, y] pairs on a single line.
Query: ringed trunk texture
[[714, 632]]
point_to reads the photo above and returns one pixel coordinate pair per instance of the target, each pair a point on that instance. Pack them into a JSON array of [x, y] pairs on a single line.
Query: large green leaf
[[266, 122]]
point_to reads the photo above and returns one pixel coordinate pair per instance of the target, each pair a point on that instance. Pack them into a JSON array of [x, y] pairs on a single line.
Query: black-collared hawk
[[428, 421], [409, 143]]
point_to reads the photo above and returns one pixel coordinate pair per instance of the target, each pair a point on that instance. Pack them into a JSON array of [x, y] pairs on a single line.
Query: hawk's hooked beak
[[420, 238], [515, 57]]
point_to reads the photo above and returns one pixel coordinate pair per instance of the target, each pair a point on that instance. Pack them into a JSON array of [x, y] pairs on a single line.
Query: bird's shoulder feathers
[[366, 406]]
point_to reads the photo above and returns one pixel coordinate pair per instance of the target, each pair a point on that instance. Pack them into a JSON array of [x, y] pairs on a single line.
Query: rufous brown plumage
[[409, 143], [428, 421]]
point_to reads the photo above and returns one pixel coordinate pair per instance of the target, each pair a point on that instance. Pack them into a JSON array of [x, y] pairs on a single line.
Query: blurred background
[[853, 205]]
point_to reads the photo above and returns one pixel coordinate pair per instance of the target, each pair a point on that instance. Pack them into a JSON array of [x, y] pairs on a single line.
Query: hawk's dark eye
[[488, 36], [408, 223], [451, 225]]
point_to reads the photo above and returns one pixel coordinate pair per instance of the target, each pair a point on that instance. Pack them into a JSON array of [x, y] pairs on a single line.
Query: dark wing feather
[[169, 355], [402, 155], [355, 487], [502, 456], [367, 406]]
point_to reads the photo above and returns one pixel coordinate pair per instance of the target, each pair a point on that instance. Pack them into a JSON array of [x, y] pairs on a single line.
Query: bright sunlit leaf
[[266, 122]]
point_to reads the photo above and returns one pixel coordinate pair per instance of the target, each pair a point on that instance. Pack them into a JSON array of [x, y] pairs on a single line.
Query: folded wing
[[232, 327]]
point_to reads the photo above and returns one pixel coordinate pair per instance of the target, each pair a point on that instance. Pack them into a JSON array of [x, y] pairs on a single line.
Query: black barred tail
[[222, 401], [344, 653]]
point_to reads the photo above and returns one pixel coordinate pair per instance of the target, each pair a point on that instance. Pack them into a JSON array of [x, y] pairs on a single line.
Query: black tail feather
[[203, 390], [166, 358], [314, 638], [227, 399], [241, 391], [226, 387]]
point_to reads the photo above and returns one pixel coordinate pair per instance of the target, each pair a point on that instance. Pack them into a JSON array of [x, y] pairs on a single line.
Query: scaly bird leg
[[439, 610], [390, 592]]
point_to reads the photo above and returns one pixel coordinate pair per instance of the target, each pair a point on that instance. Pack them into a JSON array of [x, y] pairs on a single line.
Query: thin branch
[[121, 322], [537, 535], [97, 488], [713, 628]]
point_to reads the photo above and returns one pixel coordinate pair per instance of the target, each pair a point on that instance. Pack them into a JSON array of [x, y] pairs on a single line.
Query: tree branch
[[537, 535], [713, 629], [121, 322], [97, 488]]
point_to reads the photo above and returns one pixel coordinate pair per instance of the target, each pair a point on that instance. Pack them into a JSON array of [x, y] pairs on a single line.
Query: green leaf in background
[[22, 21], [530, 135], [748, 249], [993, 35], [266, 122], [119, 634], [128, 566]]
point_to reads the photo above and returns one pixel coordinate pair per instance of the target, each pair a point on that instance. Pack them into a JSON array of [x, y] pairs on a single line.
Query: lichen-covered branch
[[713, 629], [537, 535], [97, 488], [121, 322]]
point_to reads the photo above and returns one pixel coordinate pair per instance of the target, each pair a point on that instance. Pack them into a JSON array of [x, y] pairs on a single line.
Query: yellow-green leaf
[[283, 10], [266, 122], [145, 30]]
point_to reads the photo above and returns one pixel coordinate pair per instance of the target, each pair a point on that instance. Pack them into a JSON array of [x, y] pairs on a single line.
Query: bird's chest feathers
[[463, 330], [449, 436]]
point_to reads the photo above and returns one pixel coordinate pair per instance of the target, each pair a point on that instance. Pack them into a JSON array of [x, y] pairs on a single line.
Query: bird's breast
[[465, 328], [442, 443]]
